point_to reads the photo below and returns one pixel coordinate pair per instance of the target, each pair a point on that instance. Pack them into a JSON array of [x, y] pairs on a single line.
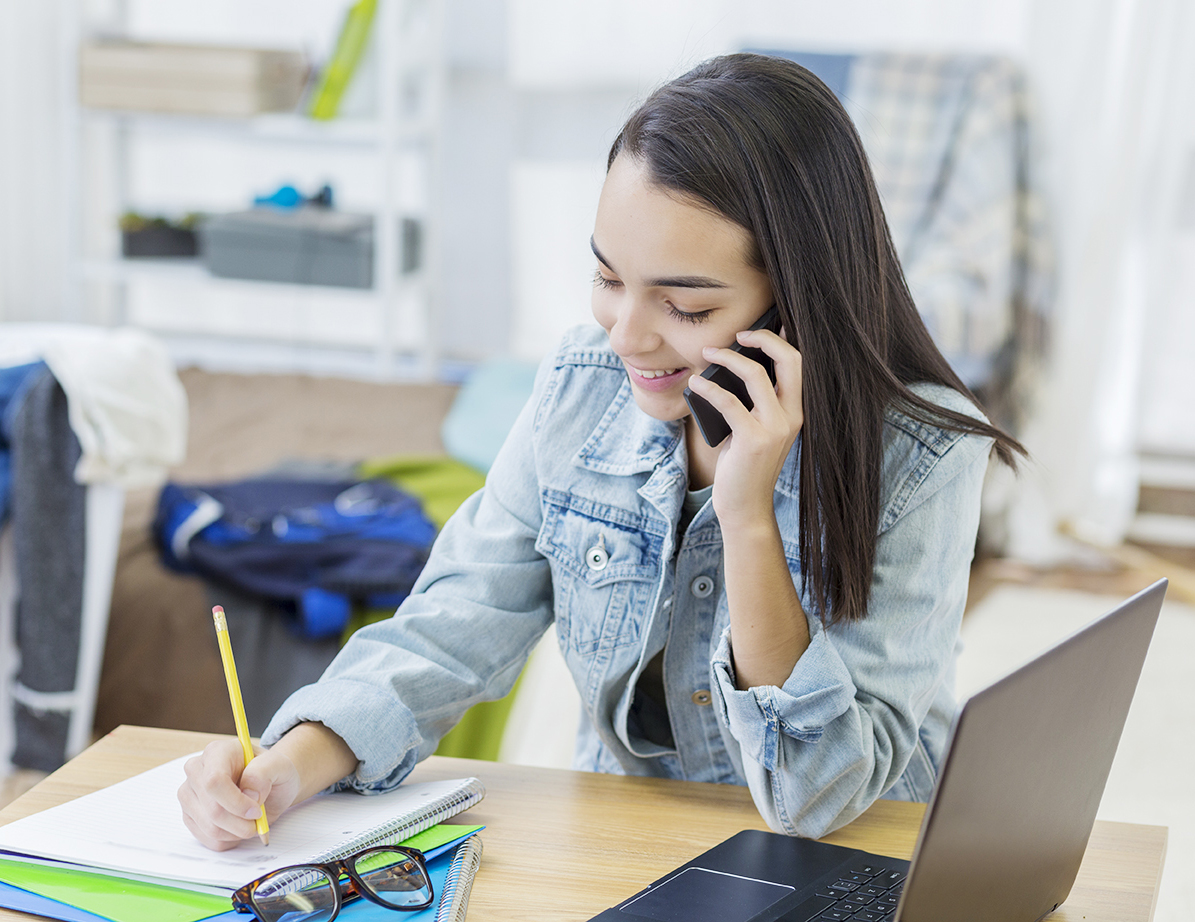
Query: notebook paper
[[136, 826]]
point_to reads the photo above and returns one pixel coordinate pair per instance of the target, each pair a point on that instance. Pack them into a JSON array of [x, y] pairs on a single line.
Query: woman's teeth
[[659, 373]]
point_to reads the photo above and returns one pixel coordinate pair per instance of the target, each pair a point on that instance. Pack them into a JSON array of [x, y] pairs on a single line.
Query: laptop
[[1005, 829]]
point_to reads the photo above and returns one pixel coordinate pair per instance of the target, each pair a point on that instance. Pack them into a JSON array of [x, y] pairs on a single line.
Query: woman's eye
[[602, 282], [687, 316]]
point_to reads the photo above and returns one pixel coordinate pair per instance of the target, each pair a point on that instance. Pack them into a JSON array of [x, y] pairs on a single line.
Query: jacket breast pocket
[[605, 566]]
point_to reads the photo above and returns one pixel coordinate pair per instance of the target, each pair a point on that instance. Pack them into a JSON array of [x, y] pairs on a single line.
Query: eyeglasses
[[389, 875]]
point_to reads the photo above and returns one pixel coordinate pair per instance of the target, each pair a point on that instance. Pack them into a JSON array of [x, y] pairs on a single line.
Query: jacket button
[[597, 557], [702, 587], [702, 697]]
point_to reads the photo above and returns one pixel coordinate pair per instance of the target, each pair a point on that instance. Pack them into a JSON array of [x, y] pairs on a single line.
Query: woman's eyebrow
[[676, 281]]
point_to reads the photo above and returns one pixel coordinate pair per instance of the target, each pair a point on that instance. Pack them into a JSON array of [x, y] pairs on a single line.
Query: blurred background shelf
[[275, 128], [187, 271], [380, 156], [192, 271], [279, 128]]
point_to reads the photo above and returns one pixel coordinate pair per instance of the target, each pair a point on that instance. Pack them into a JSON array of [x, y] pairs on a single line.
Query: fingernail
[[708, 350]]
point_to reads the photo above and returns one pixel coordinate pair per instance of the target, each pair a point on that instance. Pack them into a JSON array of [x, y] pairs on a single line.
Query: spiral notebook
[[458, 883], [134, 828]]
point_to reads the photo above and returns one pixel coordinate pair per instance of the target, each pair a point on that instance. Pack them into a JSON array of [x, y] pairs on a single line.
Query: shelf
[[282, 128], [383, 331], [122, 270], [237, 353], [193, 272], [275, 128]]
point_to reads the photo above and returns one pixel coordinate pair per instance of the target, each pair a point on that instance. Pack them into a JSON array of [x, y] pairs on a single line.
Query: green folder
[[113, 897]]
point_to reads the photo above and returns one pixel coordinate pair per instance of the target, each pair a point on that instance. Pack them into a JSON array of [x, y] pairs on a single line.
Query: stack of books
[[208, 80]]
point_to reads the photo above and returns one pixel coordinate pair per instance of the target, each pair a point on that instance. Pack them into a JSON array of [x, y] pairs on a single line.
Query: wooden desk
[[563, 845]]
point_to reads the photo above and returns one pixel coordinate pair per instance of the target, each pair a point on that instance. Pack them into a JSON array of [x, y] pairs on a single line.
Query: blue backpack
[[315, 548]]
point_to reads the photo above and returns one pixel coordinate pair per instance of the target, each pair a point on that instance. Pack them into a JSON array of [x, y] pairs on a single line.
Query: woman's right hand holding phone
[[750, 460], [768, 627]]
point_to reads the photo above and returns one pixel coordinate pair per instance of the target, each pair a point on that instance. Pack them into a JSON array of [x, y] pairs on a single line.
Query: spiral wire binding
[[454, 901], [424, 818]]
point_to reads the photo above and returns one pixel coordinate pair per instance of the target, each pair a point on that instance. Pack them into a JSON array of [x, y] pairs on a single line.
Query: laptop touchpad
[[700, 895]]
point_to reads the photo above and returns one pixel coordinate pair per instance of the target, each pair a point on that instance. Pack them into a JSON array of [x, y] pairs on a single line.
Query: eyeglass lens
[[395, 878], [309, 895]]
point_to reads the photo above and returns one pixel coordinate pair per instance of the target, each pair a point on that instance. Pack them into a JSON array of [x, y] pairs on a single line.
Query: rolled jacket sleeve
[[818, 691], [463, 635], [851, 718]]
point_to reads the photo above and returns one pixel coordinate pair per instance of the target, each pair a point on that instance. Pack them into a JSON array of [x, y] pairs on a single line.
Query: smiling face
[[672, 278]]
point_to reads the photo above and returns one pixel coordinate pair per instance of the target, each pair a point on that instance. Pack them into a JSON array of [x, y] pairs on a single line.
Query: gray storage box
[[308, 246]]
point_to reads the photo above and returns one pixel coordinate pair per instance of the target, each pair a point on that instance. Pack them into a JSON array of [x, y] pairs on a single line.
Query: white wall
[[31, 175], [630, 43]]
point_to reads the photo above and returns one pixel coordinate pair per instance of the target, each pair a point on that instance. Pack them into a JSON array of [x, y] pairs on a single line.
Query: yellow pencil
[[238, 707]]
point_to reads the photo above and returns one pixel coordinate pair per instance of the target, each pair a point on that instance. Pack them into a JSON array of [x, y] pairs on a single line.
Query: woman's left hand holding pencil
[[222, 798]]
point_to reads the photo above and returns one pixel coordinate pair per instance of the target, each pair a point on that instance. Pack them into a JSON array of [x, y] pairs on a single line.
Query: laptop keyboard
[[867, 893]]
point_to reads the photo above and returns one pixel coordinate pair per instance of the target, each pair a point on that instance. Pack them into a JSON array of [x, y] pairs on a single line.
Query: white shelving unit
[[384, 332]]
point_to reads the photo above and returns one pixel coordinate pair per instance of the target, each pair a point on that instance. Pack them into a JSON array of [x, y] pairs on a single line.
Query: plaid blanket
[[949, 139]]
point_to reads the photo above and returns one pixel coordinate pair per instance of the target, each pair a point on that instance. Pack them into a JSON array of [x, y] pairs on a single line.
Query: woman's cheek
[[602, 311]]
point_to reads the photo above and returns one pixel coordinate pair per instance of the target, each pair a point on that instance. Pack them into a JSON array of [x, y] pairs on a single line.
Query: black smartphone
[[711, 423]]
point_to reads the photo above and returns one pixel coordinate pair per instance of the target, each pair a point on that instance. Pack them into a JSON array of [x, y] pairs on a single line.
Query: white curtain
[[34, 171], [1113, 82]]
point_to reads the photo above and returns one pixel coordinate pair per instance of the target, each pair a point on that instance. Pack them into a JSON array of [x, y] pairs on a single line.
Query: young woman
[[780, 611]]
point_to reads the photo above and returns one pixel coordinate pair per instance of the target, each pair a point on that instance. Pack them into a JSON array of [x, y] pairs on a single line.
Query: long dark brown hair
[[766, 144]]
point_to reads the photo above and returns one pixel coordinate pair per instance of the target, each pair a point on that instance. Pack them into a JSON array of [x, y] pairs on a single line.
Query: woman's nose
[[633, 332]]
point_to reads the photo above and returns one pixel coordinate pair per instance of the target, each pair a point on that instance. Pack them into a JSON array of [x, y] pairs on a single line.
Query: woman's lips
[[657, 382]]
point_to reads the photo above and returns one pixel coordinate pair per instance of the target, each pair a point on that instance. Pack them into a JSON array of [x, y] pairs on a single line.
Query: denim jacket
[[577, 523]]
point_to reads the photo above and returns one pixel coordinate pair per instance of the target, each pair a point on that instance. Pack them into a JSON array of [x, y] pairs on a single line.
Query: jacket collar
[[626, 440]]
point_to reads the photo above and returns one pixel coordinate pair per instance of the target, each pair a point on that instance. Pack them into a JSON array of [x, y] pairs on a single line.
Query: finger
[[722, 400], [788, 361], [218, 842], [265, 776], [776, 347], [211, 824], [216, 774], [753, 375]]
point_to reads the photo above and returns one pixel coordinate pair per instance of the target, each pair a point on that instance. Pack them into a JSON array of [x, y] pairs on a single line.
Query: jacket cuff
[[818, 690], [386, 745]]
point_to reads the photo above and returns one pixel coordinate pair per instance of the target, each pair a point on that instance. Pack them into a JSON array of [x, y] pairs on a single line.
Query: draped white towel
[[125, 402]]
